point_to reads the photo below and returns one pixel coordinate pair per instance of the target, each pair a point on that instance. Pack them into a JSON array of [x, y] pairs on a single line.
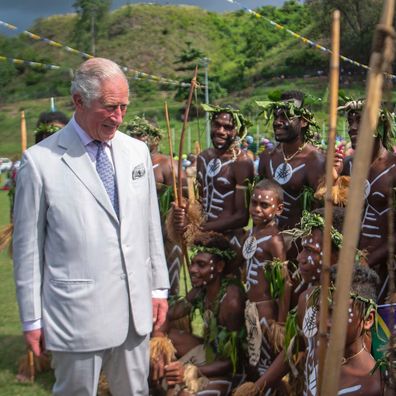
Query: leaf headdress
[[240, 121], [47, 128], [386, 128], [292, 108], [139, 126], [227, 255], [310, 221]]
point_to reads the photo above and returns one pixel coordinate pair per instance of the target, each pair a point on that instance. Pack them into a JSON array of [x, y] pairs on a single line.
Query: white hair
[[88, 77]]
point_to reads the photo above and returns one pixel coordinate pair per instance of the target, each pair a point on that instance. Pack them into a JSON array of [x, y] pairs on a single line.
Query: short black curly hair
[[270, 185], [364, 281], [212, 239], [48, 117], [338, 216], [293, 94]]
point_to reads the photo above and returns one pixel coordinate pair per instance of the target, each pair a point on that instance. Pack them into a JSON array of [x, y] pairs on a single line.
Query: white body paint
[[253, 265], [213, 200]]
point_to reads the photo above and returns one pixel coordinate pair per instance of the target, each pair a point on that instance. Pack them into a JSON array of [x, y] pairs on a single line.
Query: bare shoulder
[[243, 157], [392, 157], [314, 154], [206, 154], [165, 159], [371, 384], [235, 296], [373, 387]]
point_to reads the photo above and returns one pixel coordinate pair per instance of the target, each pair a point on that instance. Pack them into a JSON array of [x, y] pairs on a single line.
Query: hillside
[[242, 48], [248, 59]]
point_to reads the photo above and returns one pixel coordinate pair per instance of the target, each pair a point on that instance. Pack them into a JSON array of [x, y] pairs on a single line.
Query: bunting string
[[36, 65], [136, 74]]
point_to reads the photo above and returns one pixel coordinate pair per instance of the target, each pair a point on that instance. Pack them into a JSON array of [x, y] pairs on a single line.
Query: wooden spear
[[23, 132], [30, 358], [171, 153], [183, 132], [333, 102], [179, 175], [380, 61]]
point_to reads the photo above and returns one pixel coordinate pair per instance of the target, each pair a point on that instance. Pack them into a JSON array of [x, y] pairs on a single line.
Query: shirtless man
[[216, 358], [294, 163], [145, 131], [381, 182], [223, 174]]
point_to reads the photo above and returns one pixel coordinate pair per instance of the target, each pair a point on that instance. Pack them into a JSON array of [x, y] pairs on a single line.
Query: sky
[[22, 13]]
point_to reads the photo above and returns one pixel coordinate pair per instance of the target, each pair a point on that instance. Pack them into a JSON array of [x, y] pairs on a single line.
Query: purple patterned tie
[[105, 171]]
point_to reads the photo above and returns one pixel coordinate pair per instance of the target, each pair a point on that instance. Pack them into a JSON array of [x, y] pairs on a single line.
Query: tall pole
[[93, 49], [380, 62], [207, 123], [325, 277], [23, 132]]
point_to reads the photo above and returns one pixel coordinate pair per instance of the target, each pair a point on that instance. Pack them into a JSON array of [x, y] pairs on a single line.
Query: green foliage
[[91, 22], [358, 19], [188, 59]]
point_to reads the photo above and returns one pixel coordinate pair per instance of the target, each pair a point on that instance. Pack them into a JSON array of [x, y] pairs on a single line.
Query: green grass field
[[12, 346]]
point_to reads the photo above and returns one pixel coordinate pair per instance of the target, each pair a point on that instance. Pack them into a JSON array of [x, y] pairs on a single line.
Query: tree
[[358, 19], [91, 21], [188, 59]]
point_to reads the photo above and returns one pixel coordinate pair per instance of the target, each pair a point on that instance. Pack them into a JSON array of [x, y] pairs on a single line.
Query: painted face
[[102, 117], [202, 269], [264, 206], [353, 120], [311, 256], [286, 129], [223, 131]]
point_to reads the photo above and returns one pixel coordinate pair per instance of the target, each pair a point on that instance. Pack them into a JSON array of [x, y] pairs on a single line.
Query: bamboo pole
[[183, 132], [23, 132], [171, 153], [380, 60], [333, 102], [30, 358]]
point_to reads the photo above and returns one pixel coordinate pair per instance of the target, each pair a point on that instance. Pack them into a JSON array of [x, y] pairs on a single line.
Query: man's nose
[[277, 122], [254, 208], [118, 114]]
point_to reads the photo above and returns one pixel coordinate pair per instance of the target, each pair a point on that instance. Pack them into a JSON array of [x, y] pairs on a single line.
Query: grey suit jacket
[[76, 265]]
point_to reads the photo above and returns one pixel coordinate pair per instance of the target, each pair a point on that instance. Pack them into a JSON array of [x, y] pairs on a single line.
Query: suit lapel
[[77, 159]]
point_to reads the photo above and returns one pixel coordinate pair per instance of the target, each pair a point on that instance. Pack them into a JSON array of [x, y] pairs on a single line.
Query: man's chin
[[222, 145], [108, 133]]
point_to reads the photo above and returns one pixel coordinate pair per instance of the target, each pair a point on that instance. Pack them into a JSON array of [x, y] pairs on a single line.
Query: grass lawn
[[12, 345]]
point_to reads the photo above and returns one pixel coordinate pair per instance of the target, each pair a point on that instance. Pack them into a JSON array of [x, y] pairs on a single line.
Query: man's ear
[[303, 122], [368, 323], [78, 101], [220, 265], [279, 209]]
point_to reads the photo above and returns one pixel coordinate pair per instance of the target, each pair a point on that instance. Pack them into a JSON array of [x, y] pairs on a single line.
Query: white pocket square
[[138, 172]]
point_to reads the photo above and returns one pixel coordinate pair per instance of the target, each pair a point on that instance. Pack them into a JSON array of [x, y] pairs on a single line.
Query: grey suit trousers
[[126, 368]]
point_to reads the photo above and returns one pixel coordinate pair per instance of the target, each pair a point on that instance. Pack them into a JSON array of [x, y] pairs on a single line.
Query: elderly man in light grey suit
[[89, 265]]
